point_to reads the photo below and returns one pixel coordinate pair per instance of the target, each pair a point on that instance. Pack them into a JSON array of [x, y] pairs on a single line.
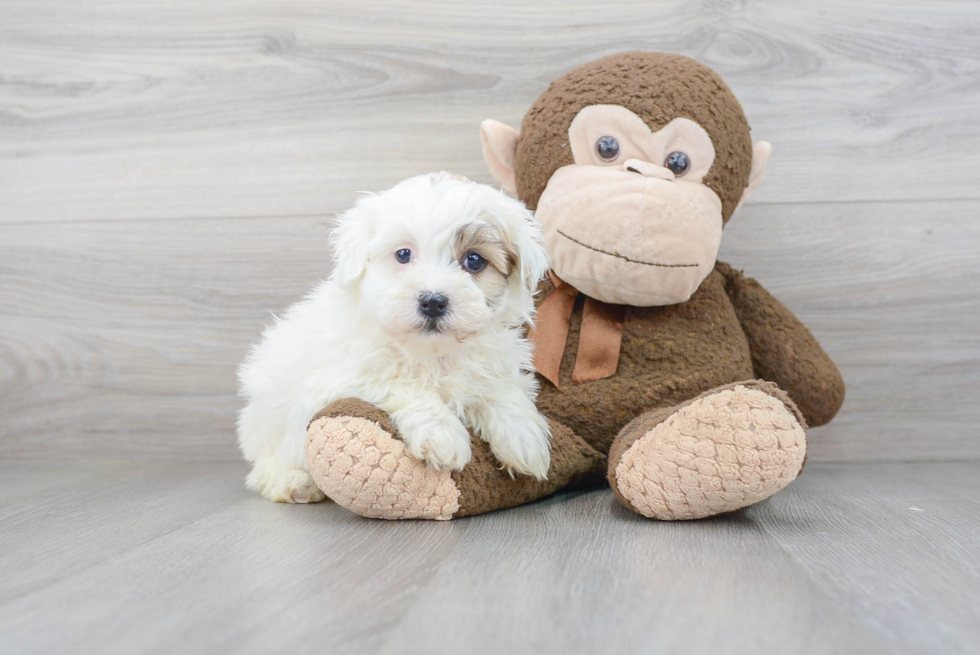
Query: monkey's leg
[[724, 450], [357, 458]]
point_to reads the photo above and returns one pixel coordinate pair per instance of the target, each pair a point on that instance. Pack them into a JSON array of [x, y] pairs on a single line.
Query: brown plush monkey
[[684, 381]]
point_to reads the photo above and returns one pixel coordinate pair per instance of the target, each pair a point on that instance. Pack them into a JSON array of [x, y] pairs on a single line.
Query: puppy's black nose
[[433, 305]]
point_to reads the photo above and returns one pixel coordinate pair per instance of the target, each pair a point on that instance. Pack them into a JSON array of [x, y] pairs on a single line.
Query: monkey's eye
[[607, 147], [677, 163], [474, 263], [403, 256]]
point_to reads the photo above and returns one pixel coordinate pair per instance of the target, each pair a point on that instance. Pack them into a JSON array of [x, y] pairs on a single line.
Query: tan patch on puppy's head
[[501, 259]]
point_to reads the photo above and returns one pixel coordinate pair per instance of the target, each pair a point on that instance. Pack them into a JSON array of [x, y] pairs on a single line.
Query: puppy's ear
[[348, 243], [523, 240]]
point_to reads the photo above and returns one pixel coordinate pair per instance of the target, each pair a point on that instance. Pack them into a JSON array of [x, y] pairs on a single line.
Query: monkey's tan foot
[[357, 459], [727, 449]]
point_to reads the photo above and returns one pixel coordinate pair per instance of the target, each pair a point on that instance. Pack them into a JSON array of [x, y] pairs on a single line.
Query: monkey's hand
[[783, 349]]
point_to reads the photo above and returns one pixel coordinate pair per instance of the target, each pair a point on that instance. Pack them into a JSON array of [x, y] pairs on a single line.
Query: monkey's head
[[632, 163]]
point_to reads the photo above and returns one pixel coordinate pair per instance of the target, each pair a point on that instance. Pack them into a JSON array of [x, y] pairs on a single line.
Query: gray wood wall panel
[[131, 331], [168, 173], [112, 109]]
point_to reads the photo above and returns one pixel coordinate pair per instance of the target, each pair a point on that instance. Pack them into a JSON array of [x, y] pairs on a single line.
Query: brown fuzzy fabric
[[657, 87], [674, 353], [668, 355], [783, 350], [485, 487], [360, 408], [642, 424]]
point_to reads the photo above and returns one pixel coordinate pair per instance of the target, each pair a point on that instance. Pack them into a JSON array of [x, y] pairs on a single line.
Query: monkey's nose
[[647, 169], [433, 305]]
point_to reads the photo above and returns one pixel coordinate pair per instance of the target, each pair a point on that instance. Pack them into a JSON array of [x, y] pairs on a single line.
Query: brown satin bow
[[599, 341]]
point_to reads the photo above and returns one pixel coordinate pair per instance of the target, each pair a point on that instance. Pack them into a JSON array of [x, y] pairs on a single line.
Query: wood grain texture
[[168, 174], [929, 510], [894, 303], [115, 110], [123, 337], [179, 557], [585, 575], [164, 557]]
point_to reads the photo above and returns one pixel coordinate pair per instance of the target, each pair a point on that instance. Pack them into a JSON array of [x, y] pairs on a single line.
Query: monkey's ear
[[499, 148], [760, 155]]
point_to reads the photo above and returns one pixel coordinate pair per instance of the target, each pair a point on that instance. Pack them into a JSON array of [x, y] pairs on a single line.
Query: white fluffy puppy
[[423, 317]]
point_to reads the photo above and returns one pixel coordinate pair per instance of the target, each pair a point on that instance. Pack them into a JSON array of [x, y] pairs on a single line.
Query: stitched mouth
[[624, 257]]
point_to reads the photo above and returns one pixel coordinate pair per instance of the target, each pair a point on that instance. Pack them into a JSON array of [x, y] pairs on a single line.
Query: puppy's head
[[438, 257]]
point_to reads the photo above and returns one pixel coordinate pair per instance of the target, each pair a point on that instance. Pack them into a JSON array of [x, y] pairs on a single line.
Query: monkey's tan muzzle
[[630, 239]]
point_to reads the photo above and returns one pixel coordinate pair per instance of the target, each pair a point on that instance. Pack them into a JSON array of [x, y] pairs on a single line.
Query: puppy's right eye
[[403, 256]]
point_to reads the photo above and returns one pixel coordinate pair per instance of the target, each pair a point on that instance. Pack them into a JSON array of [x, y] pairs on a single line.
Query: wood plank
[[94, 518], [131, 567], [585, 575], [157, 557], [40, 481], [893, 292], [231, 108], [122, 337], [895, 545], [183, 559], [125, 337]]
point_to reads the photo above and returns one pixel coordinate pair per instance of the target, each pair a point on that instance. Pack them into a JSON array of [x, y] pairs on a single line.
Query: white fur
[[358, 334]]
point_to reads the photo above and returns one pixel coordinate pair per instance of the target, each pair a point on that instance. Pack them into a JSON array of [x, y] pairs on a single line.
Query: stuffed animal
[[681, 380]]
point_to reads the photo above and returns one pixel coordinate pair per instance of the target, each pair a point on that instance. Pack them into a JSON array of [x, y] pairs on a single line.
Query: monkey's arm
[[783, 350]]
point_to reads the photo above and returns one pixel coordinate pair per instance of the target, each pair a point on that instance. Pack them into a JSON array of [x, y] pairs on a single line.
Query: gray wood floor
[[177, 557]]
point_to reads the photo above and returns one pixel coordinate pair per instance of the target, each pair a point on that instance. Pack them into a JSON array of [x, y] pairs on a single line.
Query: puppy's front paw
[[283, 485], [442, 442], [521, 441]]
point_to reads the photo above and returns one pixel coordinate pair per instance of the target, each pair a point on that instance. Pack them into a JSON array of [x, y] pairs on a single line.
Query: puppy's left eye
[[474, 263], [403, 256]]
